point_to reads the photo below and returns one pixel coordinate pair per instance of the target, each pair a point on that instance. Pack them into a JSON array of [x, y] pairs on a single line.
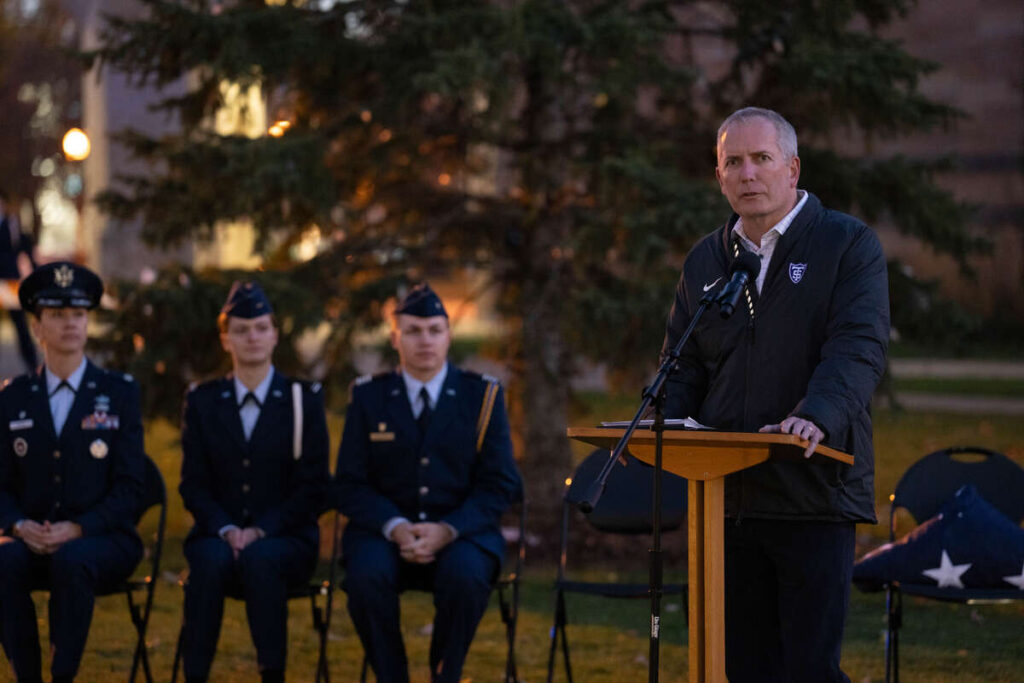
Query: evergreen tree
[[563, 148], [39, 97]]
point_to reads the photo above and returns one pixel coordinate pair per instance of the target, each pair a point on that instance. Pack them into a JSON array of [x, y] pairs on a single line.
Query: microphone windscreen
[[747, 261]]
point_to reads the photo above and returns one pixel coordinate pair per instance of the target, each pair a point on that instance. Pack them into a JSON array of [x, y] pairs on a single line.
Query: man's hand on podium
[[805, 429]]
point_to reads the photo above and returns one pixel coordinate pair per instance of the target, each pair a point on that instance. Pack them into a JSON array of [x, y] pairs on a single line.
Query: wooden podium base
[[704, 458], [705, 525]]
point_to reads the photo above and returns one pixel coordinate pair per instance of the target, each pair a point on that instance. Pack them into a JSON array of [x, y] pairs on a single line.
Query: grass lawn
[[968, 386], [608, 638]]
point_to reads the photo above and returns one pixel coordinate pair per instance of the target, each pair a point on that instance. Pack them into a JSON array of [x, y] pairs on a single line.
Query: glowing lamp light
[[76, 145], [279, 127], [444, 179]]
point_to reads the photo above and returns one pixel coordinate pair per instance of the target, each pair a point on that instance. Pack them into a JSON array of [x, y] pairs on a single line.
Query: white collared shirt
[[412, 390], [62, 399], [433, 385], [250, 412], [769, 239]]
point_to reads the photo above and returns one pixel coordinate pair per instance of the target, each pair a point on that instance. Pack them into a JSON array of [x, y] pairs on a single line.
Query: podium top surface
[[704, 454]]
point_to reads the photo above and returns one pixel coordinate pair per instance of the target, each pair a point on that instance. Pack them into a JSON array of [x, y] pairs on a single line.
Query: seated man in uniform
[[424, 472], [253, 476], [71, 473]]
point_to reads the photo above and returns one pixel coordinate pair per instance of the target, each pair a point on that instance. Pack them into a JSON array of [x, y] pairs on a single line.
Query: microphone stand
[[654, 393]]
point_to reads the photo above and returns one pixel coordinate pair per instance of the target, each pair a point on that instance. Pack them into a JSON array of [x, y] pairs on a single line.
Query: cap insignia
[[63, 276]]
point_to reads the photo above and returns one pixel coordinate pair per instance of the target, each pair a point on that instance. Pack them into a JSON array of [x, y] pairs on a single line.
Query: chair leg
[[140, 620], [177, 654], [366, 666], [511, 676], [558, 628], [894, 618], [509, 618], [896, 638], [320, 625]]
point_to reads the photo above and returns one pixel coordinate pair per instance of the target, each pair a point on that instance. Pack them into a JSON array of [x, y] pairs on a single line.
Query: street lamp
[[76, 145], [76, 148]]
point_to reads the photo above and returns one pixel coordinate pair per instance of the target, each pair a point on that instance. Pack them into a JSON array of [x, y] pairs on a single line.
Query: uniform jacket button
[[424, 461], [424, 490]]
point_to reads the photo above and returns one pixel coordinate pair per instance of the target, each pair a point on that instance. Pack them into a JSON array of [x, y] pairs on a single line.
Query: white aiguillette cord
[[297, 420]]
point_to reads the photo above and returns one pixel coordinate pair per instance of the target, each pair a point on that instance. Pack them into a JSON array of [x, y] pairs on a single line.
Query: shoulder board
[[192, 386], [20, 379], [315, 387], [480, 377], [128, 378], [362, 379]]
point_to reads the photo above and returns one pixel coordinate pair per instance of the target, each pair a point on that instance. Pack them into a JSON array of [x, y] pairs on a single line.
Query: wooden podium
[[703, 458]]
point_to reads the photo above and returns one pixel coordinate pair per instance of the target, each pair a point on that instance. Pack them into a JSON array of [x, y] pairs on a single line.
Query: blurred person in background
[[16, 260]]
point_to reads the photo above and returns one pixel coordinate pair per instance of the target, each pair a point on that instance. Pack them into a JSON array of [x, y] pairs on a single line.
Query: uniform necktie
[[249, 396], [249, 412], [60, 405], [424, 419], [64, 384]]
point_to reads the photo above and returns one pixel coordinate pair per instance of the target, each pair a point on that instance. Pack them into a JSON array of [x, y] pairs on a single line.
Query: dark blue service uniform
[[90, 474], [228, 480], [386, 469]]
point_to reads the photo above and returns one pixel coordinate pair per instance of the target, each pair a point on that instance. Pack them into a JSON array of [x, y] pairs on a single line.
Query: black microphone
[[743, 270]]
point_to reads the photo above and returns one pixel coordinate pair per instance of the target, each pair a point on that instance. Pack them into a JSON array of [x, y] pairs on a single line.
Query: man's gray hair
[[785, 134]]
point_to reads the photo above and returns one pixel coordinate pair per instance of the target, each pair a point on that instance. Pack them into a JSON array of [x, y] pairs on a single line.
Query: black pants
[[261, 575], [460, 580], [787, 589], [74, 574]]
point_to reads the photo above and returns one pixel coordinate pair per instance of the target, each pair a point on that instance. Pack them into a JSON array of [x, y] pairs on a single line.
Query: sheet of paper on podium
[[672, 423]]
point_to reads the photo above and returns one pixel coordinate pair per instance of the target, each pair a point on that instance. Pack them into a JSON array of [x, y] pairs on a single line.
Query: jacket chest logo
[[20, 447], [98, 449], [796, 272], [382, 433]]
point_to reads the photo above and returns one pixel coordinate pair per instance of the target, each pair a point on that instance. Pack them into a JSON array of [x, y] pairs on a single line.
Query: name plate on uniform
[[382, 436]]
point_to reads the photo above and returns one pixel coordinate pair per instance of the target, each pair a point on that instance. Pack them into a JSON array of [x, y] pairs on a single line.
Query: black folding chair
[[625, 508], [506, 586], [153, 494], [922, 491], [320, 586]]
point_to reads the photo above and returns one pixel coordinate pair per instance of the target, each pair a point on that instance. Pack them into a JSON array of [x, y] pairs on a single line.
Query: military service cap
[[422, 302], [246, 300], [61, 284]]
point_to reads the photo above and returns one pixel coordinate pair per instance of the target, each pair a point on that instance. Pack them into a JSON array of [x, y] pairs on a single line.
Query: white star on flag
[[947, 574], [1017, 580]]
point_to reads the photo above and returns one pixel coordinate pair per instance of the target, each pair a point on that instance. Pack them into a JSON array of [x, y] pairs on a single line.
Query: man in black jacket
[[802, 355]]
